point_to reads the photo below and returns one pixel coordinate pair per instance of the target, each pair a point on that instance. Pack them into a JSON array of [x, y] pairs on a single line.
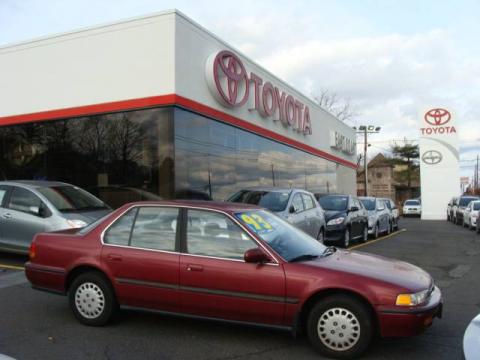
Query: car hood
[[87, 216], [377, 267], [331, 214]]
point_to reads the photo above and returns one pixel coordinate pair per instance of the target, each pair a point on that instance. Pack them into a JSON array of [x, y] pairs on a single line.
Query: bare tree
[[342, 109]]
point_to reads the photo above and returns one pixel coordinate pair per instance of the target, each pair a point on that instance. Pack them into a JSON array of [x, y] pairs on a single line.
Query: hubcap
[[89, 300], [338, 329], [347, 238], [365, 233]]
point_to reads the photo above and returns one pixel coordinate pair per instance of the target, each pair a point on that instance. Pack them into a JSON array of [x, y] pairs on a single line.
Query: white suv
[[412, 207]]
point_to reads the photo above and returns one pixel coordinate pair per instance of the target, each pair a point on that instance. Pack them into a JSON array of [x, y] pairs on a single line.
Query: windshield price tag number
[[256, 222]]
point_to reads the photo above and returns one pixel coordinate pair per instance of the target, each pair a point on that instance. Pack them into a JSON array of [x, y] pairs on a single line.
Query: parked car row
[[30, 207], [464, 210]]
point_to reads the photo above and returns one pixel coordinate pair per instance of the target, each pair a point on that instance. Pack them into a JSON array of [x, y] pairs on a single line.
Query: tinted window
[[412, 202], [71, 198], [476, 206], [369, 204], [336, 203], [119, 232], [466, 200], [155, 228], [298, 203], [214, 234], [3, 192], [308, 201], [25, 201], [272, 200]]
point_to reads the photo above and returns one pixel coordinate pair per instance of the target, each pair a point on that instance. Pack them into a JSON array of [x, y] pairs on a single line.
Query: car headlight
[[76, 223], [336, 221], [412, 299]]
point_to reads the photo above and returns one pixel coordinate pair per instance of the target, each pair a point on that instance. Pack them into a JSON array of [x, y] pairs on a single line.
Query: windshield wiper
[[329, 250], [304, 257]]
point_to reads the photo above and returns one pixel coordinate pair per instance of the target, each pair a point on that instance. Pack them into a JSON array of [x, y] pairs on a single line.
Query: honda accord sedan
[[233, 262]]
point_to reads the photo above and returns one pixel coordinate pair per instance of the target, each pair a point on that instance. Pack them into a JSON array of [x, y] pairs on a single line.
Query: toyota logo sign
[[231, 84], [437, 117], [231, 79], [432, 157]]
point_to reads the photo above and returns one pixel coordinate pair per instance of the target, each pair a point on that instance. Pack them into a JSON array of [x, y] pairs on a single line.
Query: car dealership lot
[[39, 325]]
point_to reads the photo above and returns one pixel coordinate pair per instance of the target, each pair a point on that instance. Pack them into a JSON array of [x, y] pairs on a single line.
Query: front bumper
[[403, 322], [335, 233]]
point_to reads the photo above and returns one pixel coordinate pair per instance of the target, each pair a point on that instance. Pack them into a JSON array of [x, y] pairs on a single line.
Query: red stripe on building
[[163, 100]]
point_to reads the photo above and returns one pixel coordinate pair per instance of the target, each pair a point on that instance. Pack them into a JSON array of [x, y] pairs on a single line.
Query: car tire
[[321, 235], [365, 233], [92, 299], [376, 231], [346, 238], [389, 229], [340, 326]]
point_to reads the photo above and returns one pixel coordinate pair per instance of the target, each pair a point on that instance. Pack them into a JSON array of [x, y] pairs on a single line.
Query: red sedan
[[233, 262]]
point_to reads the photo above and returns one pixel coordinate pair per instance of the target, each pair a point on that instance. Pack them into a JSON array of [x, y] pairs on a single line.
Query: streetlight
[[366, 129]]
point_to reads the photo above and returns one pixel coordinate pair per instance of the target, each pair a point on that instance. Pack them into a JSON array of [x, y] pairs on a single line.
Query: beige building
[[385, 180]]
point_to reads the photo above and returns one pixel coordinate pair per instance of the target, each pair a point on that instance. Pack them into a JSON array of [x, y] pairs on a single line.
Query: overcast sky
[[389, 57]]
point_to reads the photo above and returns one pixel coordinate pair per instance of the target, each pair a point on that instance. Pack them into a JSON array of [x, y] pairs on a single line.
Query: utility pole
[[365, 130]]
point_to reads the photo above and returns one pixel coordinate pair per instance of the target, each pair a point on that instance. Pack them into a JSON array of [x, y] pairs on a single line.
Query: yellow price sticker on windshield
[[256, 222]]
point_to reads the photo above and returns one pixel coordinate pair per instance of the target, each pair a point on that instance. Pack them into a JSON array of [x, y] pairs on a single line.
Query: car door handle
[[7, 216], [114, 257], [194, 268]]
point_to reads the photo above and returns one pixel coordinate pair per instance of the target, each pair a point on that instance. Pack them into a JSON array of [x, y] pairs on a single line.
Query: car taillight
[[33, 251]]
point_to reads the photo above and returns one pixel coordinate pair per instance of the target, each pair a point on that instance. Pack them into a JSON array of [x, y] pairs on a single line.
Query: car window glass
[[335, 203], [380, 205], [119, 232], [214, 234], [3, 192], [308, 201], [298, 203], [155, 228], [25, 201], [476, 206]]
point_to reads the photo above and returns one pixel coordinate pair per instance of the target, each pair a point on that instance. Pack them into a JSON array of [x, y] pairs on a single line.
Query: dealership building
[[158, 106]]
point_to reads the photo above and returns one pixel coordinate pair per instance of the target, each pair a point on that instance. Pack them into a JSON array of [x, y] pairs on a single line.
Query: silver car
[[394, 213], [378, 216], [30, 207], [298, 207]]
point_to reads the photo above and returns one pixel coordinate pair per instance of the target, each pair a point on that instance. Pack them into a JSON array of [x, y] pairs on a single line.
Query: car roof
[[204, 204], [33, 184]]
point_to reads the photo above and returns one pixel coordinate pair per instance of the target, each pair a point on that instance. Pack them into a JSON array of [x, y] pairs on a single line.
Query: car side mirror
[[256, 256], [291, 210]]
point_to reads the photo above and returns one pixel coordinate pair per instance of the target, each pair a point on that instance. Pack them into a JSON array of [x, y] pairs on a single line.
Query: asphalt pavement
[[37, 325]]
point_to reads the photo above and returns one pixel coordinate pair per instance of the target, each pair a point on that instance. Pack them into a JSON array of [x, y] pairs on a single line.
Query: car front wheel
[[92, 299], [340, 326], [346, 238]]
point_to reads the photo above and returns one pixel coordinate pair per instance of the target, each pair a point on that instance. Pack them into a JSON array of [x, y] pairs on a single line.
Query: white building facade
[[161, 106]]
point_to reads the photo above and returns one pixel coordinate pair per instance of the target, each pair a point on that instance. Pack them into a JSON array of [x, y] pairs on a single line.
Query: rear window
[[412, 202]]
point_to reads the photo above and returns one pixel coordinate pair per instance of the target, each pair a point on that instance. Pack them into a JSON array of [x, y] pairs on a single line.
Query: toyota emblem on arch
[[231, 85], [437, 118], [432, 157]]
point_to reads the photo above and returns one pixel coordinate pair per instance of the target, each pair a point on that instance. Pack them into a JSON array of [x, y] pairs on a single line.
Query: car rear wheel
[[92, 299], [340, 326]]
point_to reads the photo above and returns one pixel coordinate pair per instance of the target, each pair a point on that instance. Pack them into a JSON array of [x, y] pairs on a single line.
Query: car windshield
[[272, 200], [369, 204], [288, 241], [335, 203], [466, 200], [71, 199], [412, 202]]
